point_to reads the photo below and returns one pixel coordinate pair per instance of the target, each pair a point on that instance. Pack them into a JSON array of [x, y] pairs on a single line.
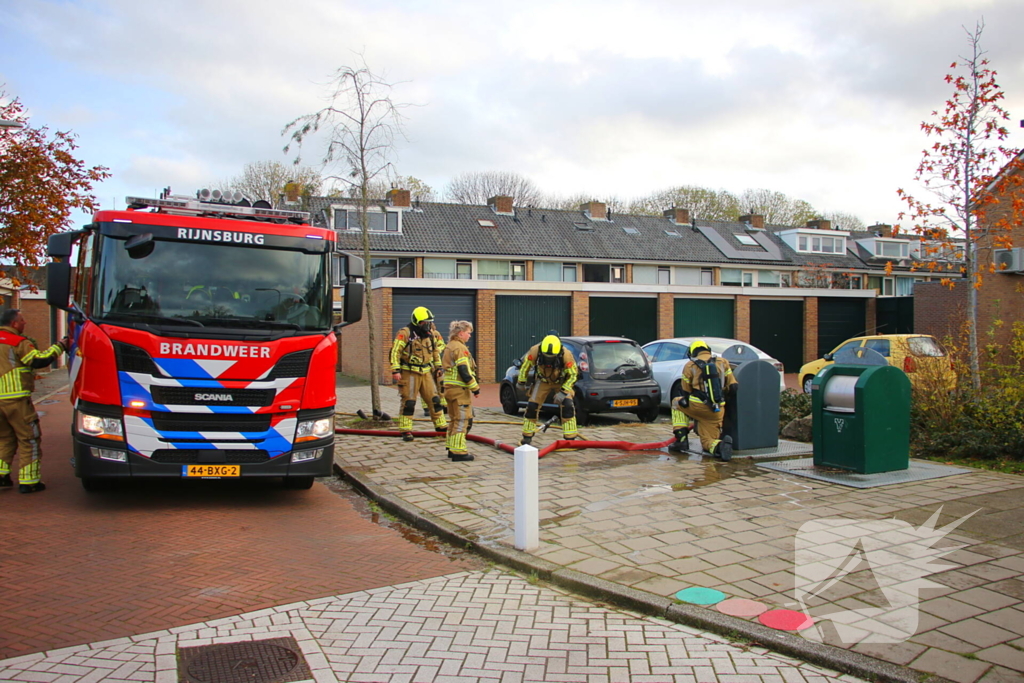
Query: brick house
[[518, 272]]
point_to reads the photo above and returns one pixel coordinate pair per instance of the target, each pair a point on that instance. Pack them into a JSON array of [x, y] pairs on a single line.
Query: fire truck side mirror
[[58, 284], [140, 246], [59, 246]]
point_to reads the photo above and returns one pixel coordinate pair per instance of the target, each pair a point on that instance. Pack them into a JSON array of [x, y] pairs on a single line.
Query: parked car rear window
[[608, 357], [924, 346]]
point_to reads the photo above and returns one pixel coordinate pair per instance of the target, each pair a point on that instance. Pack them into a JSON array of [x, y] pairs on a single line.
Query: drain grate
[[274, 660]]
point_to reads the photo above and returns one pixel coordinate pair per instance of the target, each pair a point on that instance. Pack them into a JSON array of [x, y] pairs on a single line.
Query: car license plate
[[625, 402], [208, 471]]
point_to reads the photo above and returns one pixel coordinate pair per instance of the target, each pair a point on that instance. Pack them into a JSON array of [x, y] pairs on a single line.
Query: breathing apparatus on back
[[710, 382]]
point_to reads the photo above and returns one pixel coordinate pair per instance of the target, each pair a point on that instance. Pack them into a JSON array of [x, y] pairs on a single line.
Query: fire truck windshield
[[212, 285]]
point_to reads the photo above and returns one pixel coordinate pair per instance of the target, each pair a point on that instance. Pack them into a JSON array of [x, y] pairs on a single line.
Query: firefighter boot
[[724, 449], [31, 488], [682, 442], [5, 481], [407, 436], [459, 457], [525, 441]]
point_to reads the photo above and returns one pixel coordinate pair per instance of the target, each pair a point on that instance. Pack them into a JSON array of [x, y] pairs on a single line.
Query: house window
[[568, 272], [746, 240], [439, 268], [887, 286], [463, 270], [785, 279], [378, 221], [492, 270], [904, 286], [892, 249], [602, 272], [392, 267], [664, 275], [707, 277], [518, 271], [816, 244], [546, 271], [618, 273], [767, 278], [748, 278], [732, 277]]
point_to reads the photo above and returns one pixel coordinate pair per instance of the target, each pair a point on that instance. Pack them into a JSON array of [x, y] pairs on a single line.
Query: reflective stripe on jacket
[[564, 375], [413, 353], [459, 366], [18, 357]]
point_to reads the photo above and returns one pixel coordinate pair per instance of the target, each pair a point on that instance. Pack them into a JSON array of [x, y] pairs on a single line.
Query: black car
[[614, 376]]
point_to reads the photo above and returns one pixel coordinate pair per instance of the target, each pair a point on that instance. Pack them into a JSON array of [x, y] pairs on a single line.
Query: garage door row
[[521, 321]]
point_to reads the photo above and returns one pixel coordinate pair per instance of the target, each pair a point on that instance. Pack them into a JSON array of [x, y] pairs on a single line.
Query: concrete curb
[[820, 654]]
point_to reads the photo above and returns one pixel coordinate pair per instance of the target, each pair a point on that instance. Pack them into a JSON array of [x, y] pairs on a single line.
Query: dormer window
[[815, 244], [378, 219], [892, 248]]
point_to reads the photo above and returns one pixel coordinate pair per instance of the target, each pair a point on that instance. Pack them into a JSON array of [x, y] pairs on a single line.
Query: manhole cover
[[274, 660]]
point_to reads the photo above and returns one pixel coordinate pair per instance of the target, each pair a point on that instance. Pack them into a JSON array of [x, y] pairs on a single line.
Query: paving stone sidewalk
[[657, 523]]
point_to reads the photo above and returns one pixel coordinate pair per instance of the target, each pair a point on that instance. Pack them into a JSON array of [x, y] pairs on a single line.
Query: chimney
[[756, 220], [291, 192], [399, 197], [677, 215], [819, 224], [501, 204], [597, 211], [881, 229]]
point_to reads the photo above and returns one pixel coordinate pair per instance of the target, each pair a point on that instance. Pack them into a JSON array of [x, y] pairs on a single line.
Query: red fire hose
[[510, 448]]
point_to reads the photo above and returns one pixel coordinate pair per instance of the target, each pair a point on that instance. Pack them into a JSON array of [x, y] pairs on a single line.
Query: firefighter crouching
[[19, 423], [460, 386], [414, 359], [555, 374], [708, 384]]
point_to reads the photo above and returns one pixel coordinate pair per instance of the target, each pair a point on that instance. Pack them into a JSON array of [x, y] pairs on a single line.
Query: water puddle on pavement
[[370, 511]]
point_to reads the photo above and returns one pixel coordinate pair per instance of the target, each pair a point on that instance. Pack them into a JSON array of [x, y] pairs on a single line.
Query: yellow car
[[919, 355]]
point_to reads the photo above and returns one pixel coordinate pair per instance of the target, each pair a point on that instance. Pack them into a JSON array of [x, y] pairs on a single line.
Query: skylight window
[[673, 233], [585, 227], [746, 240], [631, 231], [484, 223]]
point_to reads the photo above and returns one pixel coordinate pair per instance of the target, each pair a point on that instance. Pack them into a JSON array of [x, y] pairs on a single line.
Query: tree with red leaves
[[41, 183], [969, 173]]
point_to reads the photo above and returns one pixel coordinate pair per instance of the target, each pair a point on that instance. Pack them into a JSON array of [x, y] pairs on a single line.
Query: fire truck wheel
[[298, 483]]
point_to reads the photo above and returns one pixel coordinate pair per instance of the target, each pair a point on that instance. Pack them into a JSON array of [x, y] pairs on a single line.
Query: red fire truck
[[203, 340]]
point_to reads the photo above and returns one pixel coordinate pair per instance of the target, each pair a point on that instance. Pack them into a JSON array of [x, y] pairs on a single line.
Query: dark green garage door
[[522, 321], [704, 318], [838, 320], [777, 328], [894, 315], [635, 319], [446, 305]]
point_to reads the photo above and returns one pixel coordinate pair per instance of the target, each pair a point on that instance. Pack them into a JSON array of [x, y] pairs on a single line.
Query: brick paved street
[[80, 567], [463, 628]]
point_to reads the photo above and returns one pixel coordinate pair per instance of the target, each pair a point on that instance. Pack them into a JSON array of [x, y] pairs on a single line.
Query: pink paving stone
[[741, 607], [786, 620]]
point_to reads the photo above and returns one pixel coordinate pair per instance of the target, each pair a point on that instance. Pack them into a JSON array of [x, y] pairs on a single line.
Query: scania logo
[[213, 397]]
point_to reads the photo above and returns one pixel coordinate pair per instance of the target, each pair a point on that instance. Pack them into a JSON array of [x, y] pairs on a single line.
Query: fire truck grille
[[186, 456], [133, 359], [187, 396], [220, 422], [292, 365]]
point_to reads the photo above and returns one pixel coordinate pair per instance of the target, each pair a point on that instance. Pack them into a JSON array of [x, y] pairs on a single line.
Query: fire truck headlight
[[303, 456], [100, 427], [311, 430], [107, 454]]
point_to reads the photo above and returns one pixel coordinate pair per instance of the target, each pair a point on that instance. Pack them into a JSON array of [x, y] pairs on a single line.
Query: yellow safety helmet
[[420, 315], [697, 346], [551, 345]]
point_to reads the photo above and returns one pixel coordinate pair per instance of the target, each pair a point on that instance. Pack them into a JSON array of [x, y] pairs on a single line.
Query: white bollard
[[527, 499]]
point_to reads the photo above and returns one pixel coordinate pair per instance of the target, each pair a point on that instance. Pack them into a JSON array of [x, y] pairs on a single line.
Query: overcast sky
[[820, 100]]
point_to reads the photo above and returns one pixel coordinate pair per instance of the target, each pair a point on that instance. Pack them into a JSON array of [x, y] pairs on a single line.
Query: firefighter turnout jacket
[[414, 352], [459, 367], [562, 374], [18, 358]]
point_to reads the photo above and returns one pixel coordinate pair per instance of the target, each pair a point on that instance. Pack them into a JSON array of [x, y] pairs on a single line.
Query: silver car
[[668, 356]]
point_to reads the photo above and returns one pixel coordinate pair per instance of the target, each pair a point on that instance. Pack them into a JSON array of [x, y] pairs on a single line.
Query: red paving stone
[[80, 567]]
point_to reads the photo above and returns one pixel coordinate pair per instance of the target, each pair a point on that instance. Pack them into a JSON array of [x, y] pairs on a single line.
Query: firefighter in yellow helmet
[[414, 360], [554, 377], [19, 422], [460, 386], [708, 385]]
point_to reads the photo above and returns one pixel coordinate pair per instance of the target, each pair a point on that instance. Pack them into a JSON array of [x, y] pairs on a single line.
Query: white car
[[668, 356]]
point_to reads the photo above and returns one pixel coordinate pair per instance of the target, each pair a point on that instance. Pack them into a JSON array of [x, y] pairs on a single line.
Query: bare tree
[[703, 202], [572, 202], [477, 188], [776, 207], [266, 180], [361, 123], [378, 189], [843, 221]]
